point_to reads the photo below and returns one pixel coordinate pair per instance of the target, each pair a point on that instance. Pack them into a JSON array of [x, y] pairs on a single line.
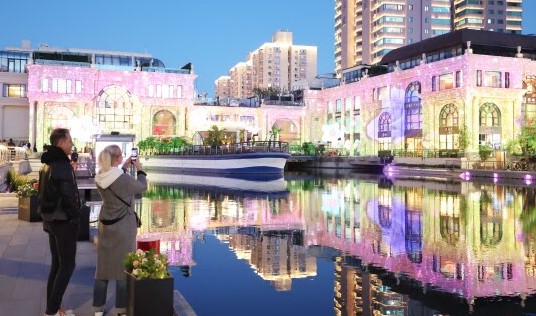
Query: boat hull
[[246, 163]]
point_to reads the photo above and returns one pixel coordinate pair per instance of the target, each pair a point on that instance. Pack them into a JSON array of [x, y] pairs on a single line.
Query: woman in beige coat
[[117, 225]]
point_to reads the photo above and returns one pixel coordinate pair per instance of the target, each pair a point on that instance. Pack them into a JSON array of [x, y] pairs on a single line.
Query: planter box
[[150, 297], [28, 209]]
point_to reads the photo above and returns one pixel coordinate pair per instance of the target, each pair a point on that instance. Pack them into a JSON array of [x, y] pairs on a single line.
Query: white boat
[[244, 158]]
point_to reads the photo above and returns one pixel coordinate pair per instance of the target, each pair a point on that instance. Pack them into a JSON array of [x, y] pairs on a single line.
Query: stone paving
[[24, 266]]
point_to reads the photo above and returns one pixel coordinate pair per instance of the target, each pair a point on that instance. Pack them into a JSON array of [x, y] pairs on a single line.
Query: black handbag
[[112, 221]]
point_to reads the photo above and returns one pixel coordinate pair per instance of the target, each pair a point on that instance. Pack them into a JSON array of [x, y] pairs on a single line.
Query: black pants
[[62, 238]]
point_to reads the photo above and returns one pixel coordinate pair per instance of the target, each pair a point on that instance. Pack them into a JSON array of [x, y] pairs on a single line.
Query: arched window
[[448, 130], [59, 116], [164, 123], [490, 125], [384, 133], [384, 122], [490, 115], [448, 117], [413, 92], [114, 109], [413, 118], [529, 99]]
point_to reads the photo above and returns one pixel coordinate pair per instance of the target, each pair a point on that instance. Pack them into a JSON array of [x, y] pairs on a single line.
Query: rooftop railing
[[61, 63]]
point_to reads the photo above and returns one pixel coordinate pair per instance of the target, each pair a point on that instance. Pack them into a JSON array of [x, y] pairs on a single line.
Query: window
[[492, 79], [338, 106], [383, 93], [434, 85], [446, 81], [179, 92], [479, 78], [458, 79], [158, 90], [78, 86], [507, 80], [151, 91], [44, 85], [165, 91], [14, 90]]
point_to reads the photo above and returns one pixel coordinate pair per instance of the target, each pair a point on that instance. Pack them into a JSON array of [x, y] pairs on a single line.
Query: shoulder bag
[[113, 221]]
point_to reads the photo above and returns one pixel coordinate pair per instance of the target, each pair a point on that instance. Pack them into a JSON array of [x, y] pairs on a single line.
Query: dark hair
[[57, 135]]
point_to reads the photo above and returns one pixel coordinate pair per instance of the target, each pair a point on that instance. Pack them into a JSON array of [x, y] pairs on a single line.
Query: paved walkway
[[24, 266]]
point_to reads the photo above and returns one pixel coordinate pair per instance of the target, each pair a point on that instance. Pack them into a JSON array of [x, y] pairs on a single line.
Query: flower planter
[[150, 296], [28, 209]]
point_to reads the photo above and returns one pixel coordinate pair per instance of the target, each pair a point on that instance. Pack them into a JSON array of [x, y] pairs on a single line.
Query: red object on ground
[[147, 245]]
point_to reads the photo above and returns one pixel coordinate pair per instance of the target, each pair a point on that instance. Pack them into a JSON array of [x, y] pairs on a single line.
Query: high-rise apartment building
[[503, 16], [367, 30], [222, 87], [276, 64], [240, 85]]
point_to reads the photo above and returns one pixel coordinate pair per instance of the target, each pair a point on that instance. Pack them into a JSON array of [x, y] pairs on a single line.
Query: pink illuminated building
[[427, 97]]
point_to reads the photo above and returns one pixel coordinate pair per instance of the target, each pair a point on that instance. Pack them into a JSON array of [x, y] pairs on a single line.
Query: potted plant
[[28, 201], [149, 284]]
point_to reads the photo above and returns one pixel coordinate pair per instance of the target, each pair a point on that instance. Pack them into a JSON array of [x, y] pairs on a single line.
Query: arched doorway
[[288, 131], [164, 123]]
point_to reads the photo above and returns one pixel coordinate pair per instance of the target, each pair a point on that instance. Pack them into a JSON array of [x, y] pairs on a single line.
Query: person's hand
[[136, 163]]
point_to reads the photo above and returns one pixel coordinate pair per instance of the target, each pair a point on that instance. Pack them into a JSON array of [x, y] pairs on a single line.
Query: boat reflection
[[394, 246]]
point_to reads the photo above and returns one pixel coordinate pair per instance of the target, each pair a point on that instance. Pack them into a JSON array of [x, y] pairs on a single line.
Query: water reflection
[[402, 248]]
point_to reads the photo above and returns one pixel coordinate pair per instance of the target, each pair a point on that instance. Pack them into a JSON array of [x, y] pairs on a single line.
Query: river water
[[345, 244]]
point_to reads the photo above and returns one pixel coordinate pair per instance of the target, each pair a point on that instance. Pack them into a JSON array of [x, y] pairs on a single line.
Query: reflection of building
[[429, 234]]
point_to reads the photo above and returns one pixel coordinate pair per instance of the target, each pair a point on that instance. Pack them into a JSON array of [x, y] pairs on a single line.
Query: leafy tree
[[484, 151], [215, 136], [308, 148], [464, 139]]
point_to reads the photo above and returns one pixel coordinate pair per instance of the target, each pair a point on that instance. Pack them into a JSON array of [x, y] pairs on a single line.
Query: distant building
[[222, 87], [276, 64], [365, 31], [241, 84]]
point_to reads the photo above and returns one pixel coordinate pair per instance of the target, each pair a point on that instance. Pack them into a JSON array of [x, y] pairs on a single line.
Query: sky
[[214, 35]]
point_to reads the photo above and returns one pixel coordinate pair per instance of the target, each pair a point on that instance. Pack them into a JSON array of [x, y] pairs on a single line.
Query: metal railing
[[237, 148]]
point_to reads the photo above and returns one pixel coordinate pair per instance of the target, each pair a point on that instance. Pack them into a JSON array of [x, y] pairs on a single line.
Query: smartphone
[[134, 154]]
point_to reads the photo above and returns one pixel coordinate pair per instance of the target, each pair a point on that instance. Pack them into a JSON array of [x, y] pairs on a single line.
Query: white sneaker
[[99, 313]]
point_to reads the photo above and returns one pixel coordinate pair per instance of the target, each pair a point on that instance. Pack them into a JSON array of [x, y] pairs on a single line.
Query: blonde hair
[[106, 156]]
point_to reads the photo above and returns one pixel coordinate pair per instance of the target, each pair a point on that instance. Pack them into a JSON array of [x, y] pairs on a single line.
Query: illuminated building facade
[[95, 92], [433, 91], [365, 31]]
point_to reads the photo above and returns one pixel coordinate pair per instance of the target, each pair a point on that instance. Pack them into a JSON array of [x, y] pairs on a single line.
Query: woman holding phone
[[117, 224]]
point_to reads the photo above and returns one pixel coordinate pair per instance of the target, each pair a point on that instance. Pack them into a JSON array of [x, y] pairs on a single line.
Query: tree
[[215, 136], [464, 139]]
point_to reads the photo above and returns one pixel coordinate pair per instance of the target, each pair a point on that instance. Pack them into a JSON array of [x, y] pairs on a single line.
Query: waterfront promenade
[[24, 266]]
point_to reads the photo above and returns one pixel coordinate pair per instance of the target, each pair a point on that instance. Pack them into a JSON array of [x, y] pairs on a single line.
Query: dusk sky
[[213, 35]]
